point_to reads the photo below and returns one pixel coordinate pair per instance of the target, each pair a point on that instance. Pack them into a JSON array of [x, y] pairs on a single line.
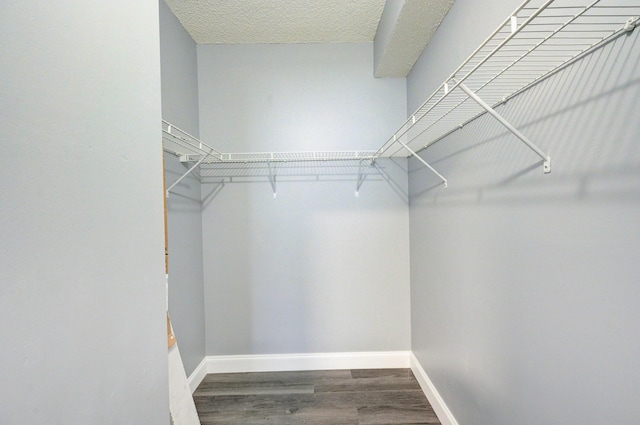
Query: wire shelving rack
[[538, 39]]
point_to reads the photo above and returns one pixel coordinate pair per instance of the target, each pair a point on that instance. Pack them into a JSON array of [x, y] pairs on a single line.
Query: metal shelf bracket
[[209, 152], [272, 179], [444, 181], [360, 180], [546, 159], [193, 167]]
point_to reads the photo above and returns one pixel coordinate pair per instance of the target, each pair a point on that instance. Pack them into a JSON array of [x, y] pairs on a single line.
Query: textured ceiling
[[278, 21], [415, 25]]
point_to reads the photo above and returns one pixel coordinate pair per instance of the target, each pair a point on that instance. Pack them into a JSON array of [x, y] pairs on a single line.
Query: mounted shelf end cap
[[546, 165], [631, 24]]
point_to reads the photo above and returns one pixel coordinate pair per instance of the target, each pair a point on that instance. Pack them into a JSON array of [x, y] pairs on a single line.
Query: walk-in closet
[[377, 212]]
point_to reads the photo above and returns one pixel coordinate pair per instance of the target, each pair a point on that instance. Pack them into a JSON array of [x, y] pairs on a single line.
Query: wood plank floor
[[345, 397]]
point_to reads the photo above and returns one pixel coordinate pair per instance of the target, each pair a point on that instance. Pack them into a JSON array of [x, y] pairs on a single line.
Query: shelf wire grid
[[252, 157], [190, 149], [180, 143], [539, 38]]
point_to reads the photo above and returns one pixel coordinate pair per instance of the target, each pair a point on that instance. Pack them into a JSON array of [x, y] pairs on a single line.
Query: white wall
[[82, 299], [524, 286], [180, 107], [317, 269]]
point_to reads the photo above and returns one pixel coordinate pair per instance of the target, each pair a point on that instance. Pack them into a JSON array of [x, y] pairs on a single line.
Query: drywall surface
[[316, 269], [180, 107], [524, 286], [82, 299], [182, 405], [179, 69], [186, 282]]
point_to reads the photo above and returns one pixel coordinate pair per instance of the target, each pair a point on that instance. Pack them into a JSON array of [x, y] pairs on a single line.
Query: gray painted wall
[[524, 287], [186, 282], [82, 299], [180, 107], [179, 69], [317, 269]]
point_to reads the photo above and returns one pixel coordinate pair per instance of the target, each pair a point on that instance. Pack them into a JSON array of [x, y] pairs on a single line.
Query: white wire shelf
[[538, 39], [191, 149], [262, 157], [180, 143], [213, 163]]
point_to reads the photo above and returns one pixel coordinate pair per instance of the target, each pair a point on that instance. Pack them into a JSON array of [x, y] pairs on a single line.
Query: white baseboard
[[181, 405], [197, 375], [315, 361], [429, 390], [293, 362]]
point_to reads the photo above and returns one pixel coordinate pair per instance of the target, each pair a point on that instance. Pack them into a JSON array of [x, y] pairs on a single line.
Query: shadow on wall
[[584, 117], [216, 176]]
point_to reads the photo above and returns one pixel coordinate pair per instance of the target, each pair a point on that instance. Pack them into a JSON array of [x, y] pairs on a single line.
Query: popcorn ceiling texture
[[315, 21], [416, 24], [279, 21]]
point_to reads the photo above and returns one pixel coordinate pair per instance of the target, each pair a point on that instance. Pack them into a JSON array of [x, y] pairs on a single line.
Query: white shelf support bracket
[[514, 24], [193, 167], [631, 24], [444, 181], [272, 180], [361, 178], [505, 123]]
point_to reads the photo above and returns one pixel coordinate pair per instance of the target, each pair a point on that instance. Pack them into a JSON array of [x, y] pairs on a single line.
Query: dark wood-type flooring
[[345, 397]]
